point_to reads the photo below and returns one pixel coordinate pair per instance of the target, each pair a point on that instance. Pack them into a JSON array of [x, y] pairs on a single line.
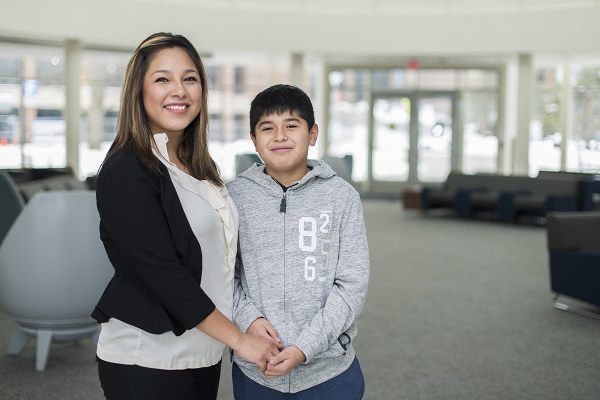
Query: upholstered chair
[[53, 269], [573, 240], [11, 203]]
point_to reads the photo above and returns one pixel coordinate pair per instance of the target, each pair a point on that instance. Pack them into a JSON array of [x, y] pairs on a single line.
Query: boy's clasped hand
[[287, 359]]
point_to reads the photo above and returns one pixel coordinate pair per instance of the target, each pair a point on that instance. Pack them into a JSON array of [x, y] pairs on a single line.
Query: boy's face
[[282, 142]]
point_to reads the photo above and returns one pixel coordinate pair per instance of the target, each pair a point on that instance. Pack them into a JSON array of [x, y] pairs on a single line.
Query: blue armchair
[[574, 255]]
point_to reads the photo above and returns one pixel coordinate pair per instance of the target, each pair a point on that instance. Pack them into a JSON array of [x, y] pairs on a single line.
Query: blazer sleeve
[[135, 223]]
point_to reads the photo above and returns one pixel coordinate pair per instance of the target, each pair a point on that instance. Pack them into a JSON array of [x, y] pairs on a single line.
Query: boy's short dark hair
[[278, 99]]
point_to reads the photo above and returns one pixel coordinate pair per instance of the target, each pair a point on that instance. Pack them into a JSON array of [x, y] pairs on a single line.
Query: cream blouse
[[213, 217]]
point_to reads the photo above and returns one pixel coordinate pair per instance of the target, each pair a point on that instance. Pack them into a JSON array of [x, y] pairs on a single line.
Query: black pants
[[132, 382]]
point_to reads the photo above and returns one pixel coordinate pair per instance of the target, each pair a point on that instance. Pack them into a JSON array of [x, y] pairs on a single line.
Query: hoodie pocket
[[335, 350]]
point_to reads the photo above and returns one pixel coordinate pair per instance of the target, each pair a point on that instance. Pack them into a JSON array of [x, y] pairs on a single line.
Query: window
[[479, 101], [32, 103], [213, 75], [397, 91], [349, 116], [241, 126], [101, 79], [240, 83], [215, 127], [545, 132], [583, 147]]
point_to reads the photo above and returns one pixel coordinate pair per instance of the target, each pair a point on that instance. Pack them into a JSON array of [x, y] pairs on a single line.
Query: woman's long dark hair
[[133, 131]]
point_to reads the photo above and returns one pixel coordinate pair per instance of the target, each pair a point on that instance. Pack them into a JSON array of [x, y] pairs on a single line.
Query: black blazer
[[149, 241]]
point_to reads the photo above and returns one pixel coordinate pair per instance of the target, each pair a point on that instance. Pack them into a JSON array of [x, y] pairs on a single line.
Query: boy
[[303, 271]]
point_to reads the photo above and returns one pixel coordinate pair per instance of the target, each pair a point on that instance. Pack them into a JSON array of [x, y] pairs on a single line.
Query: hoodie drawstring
[[283, 204]]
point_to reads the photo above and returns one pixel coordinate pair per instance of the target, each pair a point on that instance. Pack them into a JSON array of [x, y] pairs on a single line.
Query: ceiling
[[383, 7], [326, 28]]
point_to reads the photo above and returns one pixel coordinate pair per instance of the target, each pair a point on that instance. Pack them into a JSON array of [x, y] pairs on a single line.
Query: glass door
[[434, 138], [412, 140], [391, 139]]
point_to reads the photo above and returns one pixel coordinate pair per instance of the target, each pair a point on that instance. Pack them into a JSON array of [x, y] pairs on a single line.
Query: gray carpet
[[456, 309]]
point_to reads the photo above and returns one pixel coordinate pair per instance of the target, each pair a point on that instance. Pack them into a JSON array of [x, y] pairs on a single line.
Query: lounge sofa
[[30, 181], [509, 197]]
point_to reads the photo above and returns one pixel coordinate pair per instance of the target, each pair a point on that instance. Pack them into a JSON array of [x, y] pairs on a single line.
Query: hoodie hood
[[317, 169]]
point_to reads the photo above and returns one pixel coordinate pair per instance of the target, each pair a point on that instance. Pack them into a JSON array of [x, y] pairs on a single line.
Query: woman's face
[[172, 92]]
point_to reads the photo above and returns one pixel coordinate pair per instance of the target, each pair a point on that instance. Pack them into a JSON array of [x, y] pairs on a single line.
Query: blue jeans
[[349, 385]]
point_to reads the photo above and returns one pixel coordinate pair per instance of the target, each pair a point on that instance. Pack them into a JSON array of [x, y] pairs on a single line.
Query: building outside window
[[449, 101], [32, 128], [32, 102], [584, 144], [545, 132], [581, 141]]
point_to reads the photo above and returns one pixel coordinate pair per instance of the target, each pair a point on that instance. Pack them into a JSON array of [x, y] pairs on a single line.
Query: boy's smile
[[282, 142], [282, 149]]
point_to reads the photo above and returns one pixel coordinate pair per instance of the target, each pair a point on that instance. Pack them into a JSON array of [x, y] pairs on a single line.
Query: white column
[[566, 115], [72, 108], [321, 105], [523, 107], [508, 111], [503, 138], [298, 70]]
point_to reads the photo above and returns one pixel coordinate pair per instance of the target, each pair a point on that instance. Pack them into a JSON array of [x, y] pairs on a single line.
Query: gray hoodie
[[305, 269]]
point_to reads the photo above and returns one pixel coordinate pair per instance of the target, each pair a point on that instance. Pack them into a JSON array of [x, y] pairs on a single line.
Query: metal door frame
[[385, 187]]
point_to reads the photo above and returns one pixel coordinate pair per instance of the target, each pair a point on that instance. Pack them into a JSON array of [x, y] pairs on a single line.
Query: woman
[[169, 228]]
